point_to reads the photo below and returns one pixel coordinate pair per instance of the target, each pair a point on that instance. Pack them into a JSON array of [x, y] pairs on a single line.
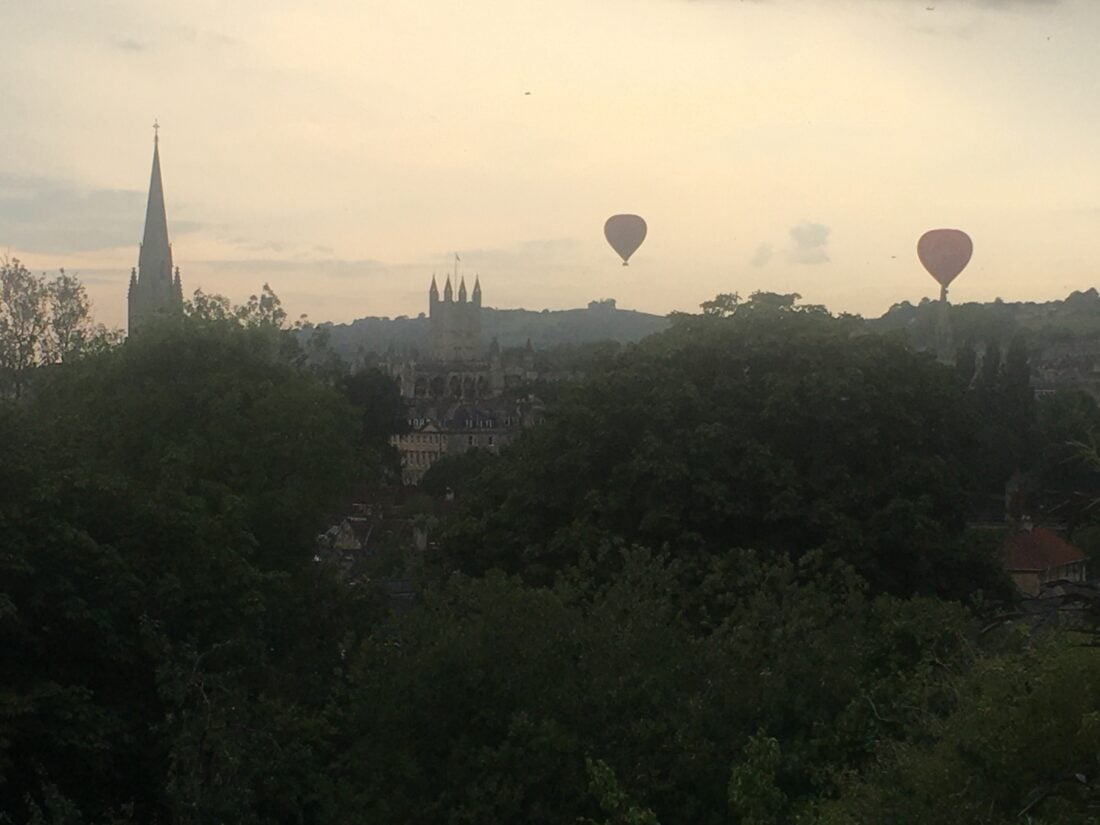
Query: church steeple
[[477, 291], [155, 288], [448, 293], [155, 258], [462, 291]]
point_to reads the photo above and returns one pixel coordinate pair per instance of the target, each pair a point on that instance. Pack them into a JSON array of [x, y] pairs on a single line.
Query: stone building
[[437, 430], [457, 367], [455, 325], [460, 398], [155, 288]]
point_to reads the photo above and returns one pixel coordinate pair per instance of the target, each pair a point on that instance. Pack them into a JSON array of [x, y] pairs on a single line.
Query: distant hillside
[[1062, 337], [600, 321]]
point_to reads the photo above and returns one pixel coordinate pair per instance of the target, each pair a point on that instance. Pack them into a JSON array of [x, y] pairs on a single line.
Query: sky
[[344, 151]]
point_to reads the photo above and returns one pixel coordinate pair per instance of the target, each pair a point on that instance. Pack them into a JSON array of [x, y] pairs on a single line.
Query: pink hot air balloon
[[945, 253], [625, 233]]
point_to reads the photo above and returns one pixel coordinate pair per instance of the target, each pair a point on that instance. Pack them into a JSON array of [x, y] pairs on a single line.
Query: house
[[346, 541], [1033, 557]]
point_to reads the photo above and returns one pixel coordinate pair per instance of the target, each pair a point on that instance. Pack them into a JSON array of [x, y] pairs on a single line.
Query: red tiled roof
[[1038, 549]]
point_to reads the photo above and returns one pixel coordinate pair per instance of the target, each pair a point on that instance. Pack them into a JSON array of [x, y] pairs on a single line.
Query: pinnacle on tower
[[462, 291], [477, 290], [448, 293]]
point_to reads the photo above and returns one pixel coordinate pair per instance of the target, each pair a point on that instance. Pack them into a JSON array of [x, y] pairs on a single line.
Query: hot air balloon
[[944, 253], [625, 233]]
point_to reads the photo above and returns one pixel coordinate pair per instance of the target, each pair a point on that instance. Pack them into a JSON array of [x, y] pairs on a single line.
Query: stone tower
[[455, 325], [155, 288]]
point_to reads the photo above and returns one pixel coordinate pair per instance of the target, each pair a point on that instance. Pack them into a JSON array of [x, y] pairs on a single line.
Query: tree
[[772, 429], [1019, 745], [453, 473], [495, 701], [168, 642], [43, 321], [24, 318], [754, 797], [722, 305]]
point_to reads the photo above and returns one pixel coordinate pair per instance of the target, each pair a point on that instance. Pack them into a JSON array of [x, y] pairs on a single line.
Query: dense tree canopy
[[164, 630], [488, 703], [769, 428], [729, 580]]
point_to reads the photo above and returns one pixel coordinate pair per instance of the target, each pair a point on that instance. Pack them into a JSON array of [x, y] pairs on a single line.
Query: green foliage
[[1069, 463], [621, 810], [263, 310], [722, 305], [216, 414], [381, 414], [43, 321], [488, 703], [168, 645], [1002, 403], [1019, 745], [453, 473], [594, 642], [773, 428], [755, 798], [572, 359], [1076, 317]]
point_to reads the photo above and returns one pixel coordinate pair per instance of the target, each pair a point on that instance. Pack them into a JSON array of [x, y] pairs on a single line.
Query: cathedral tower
[[455, 325], [155, 287]]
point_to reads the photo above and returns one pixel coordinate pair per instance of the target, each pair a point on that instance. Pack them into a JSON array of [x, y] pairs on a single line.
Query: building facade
[[461, 397]]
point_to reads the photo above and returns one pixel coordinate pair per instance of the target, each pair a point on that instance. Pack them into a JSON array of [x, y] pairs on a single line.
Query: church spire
[[155, 287], [448, 292], [155, 258], [462, 291], [477, 291]]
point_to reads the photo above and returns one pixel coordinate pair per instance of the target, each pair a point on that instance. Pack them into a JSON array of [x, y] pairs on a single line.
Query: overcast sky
[[345, 150]]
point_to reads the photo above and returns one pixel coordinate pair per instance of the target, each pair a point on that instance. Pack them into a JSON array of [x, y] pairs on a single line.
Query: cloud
[[128, 44], [307, 268], [40, 215], [101, 277], [762, 255], [546, 252], [249, 245], [808, 242]]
